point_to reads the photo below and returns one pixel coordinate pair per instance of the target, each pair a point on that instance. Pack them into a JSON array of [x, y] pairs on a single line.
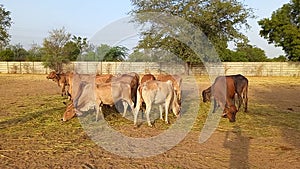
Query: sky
[[33, 19]]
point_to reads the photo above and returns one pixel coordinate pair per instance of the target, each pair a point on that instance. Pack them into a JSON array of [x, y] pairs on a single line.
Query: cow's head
[[230, 112], [52, 75], [69, 113], [206, 95]]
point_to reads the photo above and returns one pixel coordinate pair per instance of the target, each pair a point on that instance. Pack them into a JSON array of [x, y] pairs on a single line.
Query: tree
[[71, 51], [138, 56], [6, 55], [20, 54], [220, 21], [14, 53], [5, 23], [105, 52], [58, 49], [81, 43], [35, 53], [250, 53], [101, 51], [283, 29], [280, 58], [116, 53]]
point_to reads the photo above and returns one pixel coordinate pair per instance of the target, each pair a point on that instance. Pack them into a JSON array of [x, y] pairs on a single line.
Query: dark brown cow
[[241, 89], [223, 91]]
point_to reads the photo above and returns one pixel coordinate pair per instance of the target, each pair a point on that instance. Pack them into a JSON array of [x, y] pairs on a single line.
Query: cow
[[176, 81], [96, 95], [223, 91], [103, 78], [112, 92], [69, 112], [62, 81], [82, 101], [241, 89], [157, 92], [132, 79], [147, 77], [75, 79]]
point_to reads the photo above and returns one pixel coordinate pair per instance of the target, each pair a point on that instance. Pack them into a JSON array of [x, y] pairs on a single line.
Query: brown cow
[[241, 89], [112, 92], [96, 95], [75, 79], [157, 92], [82, 101], [147, 77], [176, 81], [69, 112], [223, 91], [103, 78], [132, 79], [61, 79]]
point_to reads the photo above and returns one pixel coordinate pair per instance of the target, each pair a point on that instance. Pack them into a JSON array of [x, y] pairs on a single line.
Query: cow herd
[[143, 91]]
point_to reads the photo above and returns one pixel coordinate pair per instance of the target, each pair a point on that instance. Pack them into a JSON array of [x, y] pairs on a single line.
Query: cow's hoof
[[78, 114]]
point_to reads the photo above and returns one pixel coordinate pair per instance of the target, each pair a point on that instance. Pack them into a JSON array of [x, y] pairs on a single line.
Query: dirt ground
[[32, 135]]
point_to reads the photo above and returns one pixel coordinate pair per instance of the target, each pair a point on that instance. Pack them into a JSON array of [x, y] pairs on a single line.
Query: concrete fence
[[245, 68]]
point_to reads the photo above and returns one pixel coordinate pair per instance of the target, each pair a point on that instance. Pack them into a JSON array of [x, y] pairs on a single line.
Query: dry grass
[[31, 109]]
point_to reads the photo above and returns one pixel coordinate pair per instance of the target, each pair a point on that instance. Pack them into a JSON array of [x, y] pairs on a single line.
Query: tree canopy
[[283, 29], [58, 49], [246, 53], [220, 21], [5, 23]]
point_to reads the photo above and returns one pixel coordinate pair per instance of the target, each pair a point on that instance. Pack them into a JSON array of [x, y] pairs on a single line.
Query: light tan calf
[[157, 92]]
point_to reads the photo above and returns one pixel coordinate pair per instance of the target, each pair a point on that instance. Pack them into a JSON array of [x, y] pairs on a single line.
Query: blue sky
[[33, 19]]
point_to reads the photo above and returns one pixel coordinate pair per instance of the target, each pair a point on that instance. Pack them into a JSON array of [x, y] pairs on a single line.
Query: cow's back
[[156, 92]]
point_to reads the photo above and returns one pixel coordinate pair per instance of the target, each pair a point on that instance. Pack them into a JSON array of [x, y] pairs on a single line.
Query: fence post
[[7, 67], [281, 65]]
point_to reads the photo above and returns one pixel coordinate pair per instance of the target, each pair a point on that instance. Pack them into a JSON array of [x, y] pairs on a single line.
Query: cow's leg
[[215, 105], [148, 109], [240, 100], [98, 110], [131, 105], [63, 90], [160, 111], [246, 103], [166, 113], [135, 115], [125, 106]]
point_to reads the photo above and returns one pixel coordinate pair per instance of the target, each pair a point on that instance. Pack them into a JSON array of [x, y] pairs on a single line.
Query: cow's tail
[[138, 103], [245, 97], [139, 98]]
